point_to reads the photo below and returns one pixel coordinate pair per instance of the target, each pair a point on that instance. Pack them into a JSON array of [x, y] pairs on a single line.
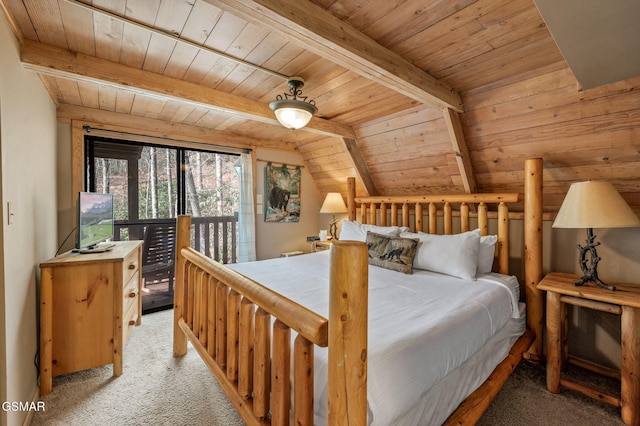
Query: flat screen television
[[94, 222]]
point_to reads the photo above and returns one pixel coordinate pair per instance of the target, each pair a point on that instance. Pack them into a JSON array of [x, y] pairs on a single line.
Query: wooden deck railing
[[214, 236]]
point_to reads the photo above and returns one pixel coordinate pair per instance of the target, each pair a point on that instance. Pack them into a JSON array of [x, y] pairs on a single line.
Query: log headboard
[[420, 213]]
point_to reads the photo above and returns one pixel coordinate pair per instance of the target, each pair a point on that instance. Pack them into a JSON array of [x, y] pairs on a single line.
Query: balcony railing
[[214, 236]]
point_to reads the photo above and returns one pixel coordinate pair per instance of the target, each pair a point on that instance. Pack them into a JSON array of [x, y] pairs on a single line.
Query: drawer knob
[[132, 294], [133, 320], [132, 266]]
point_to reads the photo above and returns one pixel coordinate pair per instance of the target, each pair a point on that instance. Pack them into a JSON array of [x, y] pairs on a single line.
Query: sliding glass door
[[153, 184]]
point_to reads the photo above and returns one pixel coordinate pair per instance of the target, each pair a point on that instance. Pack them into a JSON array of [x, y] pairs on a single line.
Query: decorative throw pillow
[[455, 255], [356, 231], [391, 252]]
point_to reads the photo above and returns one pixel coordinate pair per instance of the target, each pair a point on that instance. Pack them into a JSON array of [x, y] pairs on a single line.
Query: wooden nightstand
[[320, 245], [624, 301]]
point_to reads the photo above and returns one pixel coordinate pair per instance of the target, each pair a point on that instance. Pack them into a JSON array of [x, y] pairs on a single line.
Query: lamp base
[[333, 228], [590, 271]]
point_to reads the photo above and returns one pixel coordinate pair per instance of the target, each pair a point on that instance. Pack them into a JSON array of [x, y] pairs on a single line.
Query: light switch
[[10, 213]]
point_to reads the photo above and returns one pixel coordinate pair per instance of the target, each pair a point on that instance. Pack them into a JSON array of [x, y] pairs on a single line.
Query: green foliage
[[214, 176]]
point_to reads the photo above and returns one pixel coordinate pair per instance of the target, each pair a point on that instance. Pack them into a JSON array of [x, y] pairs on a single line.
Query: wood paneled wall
[[581, 135]]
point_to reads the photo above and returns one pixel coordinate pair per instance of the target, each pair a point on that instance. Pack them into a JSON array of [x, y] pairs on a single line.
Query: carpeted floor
[[158, 389]]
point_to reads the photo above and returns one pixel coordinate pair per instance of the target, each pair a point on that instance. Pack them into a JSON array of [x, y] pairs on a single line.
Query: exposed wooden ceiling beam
[[51, 60], [360, 166], [332, 38], [459, 143], [115, 121]]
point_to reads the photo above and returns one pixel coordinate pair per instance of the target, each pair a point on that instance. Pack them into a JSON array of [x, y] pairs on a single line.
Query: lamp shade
[[333, 203], [595, 204], [293, 114]]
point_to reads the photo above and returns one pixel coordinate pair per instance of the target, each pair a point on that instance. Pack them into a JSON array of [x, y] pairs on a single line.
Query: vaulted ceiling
[[413, 96]]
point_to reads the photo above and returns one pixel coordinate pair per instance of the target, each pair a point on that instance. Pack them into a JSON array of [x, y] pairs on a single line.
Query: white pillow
[[486, 253], [455, 255], [358, 232]]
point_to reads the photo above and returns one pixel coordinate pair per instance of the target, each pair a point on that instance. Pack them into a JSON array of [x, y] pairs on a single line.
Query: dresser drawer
[[130, 266], [131, 293], [129, 321]]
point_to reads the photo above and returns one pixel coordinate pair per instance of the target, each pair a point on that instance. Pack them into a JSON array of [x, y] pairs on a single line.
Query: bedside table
[[624, 301], [320, 246]]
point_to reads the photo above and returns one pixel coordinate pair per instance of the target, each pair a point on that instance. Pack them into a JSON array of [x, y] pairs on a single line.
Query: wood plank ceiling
[[413, 96]]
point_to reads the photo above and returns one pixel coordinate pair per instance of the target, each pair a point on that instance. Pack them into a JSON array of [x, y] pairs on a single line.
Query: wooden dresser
[[88, 305]]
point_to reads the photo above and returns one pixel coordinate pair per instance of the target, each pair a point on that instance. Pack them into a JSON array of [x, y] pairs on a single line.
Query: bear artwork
[[279, 198]]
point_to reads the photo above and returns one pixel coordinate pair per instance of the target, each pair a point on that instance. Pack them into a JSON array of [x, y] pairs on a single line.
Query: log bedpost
[[503, 235], [182, 241], [533, 253], [348, 317]]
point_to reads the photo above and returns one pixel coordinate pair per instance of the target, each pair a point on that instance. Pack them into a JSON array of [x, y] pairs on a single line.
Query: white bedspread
[[421, 326]]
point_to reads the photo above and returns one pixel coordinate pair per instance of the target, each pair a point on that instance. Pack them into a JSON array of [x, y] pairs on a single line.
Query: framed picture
[[282, 193]]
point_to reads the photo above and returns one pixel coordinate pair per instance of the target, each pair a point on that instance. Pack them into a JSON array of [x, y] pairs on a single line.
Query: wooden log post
[[448, 218], [233, 335], [383, 214], [348, 317], [433, 218], [281, 374], [630, 397], [418, 218], [245, 347], [483, 218], [303, 381], [182, 241], [464, 217], [533, 253], [503, 243], [262, 364], [372, 214], [405, 214], [555, 317]]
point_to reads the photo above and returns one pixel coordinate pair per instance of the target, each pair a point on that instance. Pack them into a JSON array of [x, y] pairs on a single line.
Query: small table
[[320, 245], [624, 301]]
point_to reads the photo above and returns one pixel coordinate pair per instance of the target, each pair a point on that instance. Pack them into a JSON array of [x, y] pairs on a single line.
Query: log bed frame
[[228, 317]]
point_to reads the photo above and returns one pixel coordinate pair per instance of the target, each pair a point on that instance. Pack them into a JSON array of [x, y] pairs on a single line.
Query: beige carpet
[[158, 389]]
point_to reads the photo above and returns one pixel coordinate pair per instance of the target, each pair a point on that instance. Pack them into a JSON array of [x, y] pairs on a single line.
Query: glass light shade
[[595, 204], [293, 114], [333, 203]]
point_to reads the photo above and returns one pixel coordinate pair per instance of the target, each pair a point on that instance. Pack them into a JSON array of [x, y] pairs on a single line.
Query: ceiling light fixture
[[292, 110]]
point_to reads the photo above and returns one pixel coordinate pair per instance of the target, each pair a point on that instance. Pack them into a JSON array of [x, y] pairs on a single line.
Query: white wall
[[272, 239], [28, 152]]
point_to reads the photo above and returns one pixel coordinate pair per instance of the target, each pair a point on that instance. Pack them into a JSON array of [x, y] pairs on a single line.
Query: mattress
[[422, 326]]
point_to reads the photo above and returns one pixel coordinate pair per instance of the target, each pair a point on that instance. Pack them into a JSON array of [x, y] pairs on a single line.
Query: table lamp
[[593, 204], [333, 203]]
